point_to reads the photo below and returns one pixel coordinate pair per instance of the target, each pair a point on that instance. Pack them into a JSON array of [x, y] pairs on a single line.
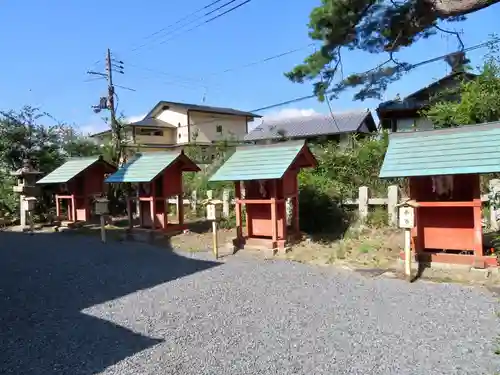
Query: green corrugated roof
[[144, 167], [462, 150], [259, 162], [68, 170]]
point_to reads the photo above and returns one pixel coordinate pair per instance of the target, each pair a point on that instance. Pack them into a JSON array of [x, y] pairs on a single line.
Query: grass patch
[[367, 247]]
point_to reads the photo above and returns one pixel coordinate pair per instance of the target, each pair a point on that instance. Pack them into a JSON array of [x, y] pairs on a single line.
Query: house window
[[180, 135], [150, 132], [179, 125], [218, 128]]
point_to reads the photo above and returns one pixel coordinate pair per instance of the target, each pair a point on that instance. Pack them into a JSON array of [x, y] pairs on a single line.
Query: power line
[[173, 32], [225, 71], [264, 60], [411, 67], [181, 19], [163, 29]]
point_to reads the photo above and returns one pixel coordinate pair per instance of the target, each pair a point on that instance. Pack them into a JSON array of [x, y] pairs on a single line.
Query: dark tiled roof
[[154, 122], [314, 125], [419, 99], [203, 108], [402, 105]]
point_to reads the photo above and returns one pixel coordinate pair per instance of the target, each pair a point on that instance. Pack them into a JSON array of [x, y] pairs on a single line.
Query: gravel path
[[71, 305]]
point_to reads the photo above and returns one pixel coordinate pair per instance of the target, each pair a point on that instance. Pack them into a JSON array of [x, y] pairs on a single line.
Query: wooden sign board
[[406, 217], [101, 206], [213, 212], [29, 203]]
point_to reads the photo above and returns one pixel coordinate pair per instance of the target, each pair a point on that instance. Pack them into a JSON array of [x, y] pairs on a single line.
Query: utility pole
[[115, 127], [108, 102]]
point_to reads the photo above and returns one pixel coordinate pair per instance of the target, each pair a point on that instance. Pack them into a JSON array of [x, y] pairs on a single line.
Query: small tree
[[479, 100], [25, 134], [376, 27]]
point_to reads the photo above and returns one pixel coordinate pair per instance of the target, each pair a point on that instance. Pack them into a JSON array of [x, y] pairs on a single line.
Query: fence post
[[363, 203], [193, 201], [494, 189], [392, 201], [210, 195], [225, 203]]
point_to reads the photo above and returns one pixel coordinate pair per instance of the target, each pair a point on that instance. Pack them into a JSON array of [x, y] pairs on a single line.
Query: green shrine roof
[[68, 170], [460, 150], [144, 167], [259, 162]]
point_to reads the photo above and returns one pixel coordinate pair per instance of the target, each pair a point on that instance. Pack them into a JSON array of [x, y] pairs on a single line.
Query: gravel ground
[[71, 305]]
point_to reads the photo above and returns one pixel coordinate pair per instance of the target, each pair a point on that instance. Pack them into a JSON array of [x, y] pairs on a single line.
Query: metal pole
[[103, 229], [214, 238], [408, 254]]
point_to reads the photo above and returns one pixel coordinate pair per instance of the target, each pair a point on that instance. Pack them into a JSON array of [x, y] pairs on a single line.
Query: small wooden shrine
[[157, 176], [268, 176], [78, 181], [443, 169]]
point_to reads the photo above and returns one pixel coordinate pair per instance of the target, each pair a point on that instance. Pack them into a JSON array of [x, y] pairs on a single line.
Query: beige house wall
[[210, 127]]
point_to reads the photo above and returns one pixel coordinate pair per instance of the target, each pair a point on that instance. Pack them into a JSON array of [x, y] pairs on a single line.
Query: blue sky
[[52, 44]]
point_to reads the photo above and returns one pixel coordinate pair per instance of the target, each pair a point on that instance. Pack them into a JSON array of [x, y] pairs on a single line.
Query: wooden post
[[274, 221], [408, 254], [73, 208], [129, 213], [407, 222], [225, 203], [177, 207], [152, 211], [58, 207], [478, 227], [363, 203], [193, 201], [103, 229], [392, 201], [214, 239], [180, 210], [237, 193]]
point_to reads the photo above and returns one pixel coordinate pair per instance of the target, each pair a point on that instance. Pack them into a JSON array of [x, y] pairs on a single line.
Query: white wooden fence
[[363, 203]]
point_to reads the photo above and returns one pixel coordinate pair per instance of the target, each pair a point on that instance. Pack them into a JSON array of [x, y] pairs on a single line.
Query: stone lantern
[[26, 187]]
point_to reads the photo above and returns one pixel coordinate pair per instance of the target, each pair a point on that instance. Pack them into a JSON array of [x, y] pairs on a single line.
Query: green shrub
[[378, 217]]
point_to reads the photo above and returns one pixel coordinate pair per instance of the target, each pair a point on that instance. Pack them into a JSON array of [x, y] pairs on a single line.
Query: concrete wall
[[163, 136], [209, 127]]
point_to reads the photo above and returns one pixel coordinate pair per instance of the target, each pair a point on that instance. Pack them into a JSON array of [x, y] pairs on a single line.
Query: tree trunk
[[452, 8]]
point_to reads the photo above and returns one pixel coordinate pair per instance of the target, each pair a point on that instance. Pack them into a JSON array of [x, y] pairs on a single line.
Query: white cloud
[[102, 126], [290, 112], [283, 114], [93, 128], [134, 118]]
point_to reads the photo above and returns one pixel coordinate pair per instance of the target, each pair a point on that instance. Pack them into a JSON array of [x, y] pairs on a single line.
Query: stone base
[[268, 246], [448, 259], [448, 266]]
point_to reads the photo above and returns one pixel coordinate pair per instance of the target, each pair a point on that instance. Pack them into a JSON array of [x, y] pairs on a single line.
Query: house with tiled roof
[[173, 125], [331, 126], [405, 114]]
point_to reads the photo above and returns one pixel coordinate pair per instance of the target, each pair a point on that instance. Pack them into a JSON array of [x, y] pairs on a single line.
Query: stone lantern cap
[[26, 176], [26, 169]]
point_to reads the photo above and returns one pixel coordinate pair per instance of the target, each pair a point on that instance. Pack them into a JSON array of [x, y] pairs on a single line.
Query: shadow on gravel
[[45, 282]]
